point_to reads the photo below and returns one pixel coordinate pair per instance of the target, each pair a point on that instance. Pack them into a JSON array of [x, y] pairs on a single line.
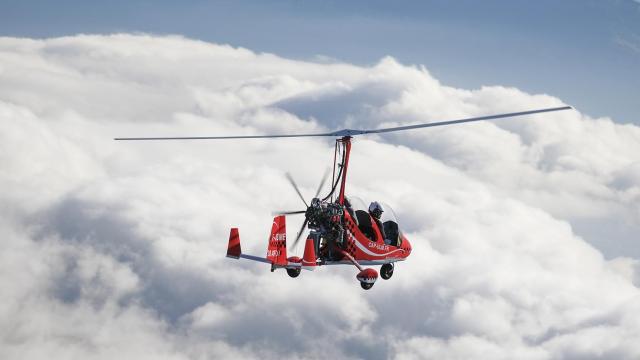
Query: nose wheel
[[386, 271], [293, 272], [366, 285]]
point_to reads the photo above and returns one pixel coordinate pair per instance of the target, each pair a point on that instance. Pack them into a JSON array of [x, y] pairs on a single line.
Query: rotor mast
[[346, 143]]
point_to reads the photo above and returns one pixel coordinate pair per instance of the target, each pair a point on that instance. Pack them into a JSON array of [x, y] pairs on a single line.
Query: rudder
[[277, 249], [309, 258], [233, 249]]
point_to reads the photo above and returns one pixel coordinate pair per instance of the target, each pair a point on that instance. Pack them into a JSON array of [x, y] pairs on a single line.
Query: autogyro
[[343, 231]]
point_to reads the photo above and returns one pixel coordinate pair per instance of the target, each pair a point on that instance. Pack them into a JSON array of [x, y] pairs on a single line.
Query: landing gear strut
[[386, 271], [366, 276]]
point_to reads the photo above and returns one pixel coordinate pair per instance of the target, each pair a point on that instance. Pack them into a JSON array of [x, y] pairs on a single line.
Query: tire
[[386, 271], [293, 272], [365, 285]]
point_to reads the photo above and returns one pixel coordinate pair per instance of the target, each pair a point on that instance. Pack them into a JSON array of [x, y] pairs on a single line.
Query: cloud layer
[[524, 230]]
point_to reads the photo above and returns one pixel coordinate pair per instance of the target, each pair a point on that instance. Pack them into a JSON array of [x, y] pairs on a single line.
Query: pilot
[[375, 210]]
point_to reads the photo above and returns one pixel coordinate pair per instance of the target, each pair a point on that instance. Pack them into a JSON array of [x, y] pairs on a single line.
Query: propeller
[[295, 242], [324, 180], [295, 187]]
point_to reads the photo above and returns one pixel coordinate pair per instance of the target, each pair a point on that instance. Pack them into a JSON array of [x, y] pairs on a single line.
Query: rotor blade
[[295, 242], [324, 179], [275, 213], [224, 137], [293, 183], [352, 132], [451, 122]]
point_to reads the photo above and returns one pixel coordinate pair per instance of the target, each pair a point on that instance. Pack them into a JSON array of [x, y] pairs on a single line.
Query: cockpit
[[385, 229]]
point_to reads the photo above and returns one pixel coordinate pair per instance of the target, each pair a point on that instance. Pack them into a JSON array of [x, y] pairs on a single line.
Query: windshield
[[387, 215]]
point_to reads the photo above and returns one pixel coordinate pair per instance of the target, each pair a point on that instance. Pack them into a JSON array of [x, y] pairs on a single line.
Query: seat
[[364, 224], [391, 232]]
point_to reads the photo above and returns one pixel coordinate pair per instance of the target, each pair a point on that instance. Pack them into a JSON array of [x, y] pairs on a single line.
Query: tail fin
[[309, 257], [277, 250], [233, 250]]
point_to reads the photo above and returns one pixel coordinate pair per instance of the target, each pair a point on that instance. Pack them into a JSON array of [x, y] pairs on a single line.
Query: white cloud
[[116, 249]]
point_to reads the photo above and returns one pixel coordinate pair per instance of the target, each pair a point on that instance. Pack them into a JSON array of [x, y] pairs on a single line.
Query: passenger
[[376, 210]]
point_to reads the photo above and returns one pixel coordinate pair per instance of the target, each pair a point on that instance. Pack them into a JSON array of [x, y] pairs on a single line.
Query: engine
[[326, 218]]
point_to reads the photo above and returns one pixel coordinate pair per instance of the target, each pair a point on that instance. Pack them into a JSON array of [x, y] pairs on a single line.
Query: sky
[[585, 51], [524, 231]]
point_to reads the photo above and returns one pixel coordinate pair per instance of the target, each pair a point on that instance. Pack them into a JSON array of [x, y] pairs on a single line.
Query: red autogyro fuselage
[[340, 233], [366, 238]]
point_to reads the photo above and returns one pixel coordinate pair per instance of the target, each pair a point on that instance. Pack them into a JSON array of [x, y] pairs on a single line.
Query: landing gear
[[386, 271], [366, 285], [367, 278], [293, 272]]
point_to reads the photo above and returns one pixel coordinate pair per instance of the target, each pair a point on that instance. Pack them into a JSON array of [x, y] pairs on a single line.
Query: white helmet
[[376, 209]]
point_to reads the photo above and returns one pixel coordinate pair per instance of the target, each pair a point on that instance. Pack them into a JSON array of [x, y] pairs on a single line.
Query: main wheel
[[365, 285], [386, 271], [293, 272]]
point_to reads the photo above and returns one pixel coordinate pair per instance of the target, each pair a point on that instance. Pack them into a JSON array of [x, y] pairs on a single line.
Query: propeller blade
[[353, 132], [275, 213], [295, 242], [324, 179], [293, 183]]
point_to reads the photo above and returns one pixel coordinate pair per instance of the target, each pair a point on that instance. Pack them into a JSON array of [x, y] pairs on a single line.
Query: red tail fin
[[277, 250], [309, 257], [233, 250]]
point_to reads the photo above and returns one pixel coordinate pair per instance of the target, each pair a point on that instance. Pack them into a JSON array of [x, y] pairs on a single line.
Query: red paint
[[309, 258], [233, 249], [367, 275], [277, 249], [365, 249]]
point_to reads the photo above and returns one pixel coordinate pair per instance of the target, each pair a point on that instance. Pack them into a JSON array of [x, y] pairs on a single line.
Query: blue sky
[[585, 52]]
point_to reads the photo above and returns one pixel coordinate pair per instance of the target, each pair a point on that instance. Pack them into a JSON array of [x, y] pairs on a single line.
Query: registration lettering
[[376, 246], [273, 253], [279, 237]]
